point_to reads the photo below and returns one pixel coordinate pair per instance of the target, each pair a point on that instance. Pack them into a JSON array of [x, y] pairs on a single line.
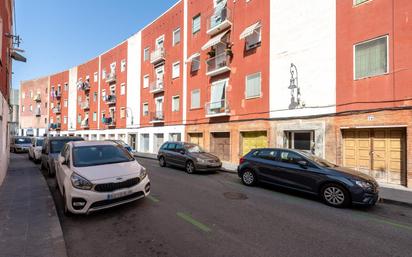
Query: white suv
[[95, 175]]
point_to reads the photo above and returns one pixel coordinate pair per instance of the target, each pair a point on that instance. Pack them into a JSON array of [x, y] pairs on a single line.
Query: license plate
[[119, 194]]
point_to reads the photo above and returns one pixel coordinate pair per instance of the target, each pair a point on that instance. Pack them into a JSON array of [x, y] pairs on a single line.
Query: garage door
[[220, 145], [377, 152], [196, 138], [253, 139]]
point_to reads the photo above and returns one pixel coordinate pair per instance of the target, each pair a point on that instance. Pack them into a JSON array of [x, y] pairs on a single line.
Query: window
[[94, 116], [176, 36], [22, 108], [289, 157], [175, 103], [51, 105], [104, 74], [45, 105], [112, 67], [65, 103], [195, 64], [31, 108], [146, 81], [356, 2], [46, 90], [267, 154], [175, 70], [301, 140], [253, 85], [146, 54], [254, 40], [218, 96], [65, 120], [113, 89], [95, 76], [23, 95], [31, 93], [122, 113], [65, 86], [94, 96], [122, 89], [45, 120], [79, 119], [195, 99], [371, 58], [145, 109], [196, 24], [123, 65], [51, 120]]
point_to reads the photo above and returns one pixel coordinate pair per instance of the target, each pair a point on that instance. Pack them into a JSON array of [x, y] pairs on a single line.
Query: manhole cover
[[235, 196]]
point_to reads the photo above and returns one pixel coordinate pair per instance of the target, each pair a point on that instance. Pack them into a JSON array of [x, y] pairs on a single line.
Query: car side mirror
[[303, 164], [62, 160]]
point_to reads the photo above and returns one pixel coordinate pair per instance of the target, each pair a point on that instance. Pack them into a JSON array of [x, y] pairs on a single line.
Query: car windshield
[[192, 148], [39, 142], [84, 156], [57, 145], [320, 161], [24, 140]]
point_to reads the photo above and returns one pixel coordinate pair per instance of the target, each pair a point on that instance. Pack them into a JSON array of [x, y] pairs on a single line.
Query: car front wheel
[[335, 195], [66, 209], [162, 161], [190, 167], [249, 178]]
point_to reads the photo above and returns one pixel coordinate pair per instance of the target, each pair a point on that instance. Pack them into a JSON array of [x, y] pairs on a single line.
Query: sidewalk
[[29, 226], [388, 193]]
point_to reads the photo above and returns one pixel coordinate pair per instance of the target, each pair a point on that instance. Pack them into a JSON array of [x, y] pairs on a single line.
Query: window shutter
[[253, 85]]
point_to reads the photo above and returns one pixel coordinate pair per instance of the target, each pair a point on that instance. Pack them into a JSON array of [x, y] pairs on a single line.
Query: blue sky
[[59, 34]]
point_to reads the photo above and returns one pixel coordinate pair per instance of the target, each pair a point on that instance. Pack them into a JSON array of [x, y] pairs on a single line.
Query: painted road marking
[[194, 222], [383, 221], [153, 199]]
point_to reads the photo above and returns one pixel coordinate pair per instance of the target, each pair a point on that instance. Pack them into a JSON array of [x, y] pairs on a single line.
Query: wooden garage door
[[220, 145], [196, 138], [377, 152], [254, 139]]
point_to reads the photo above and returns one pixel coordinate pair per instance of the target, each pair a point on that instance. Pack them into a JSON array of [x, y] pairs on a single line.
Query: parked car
[[50, 151], [20, 144], [299, 170], [189, 156], [94, 175], [35, 148], [122, 143]]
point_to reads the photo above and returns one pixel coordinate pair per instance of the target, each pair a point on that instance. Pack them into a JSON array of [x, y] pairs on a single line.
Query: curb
[[395, 202]]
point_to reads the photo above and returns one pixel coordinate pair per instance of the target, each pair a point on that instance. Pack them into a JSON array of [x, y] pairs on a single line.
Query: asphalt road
[[215, 215]]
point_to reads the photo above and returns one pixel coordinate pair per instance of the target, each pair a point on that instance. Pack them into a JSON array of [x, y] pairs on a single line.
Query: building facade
[[327, 77], [14, 112]]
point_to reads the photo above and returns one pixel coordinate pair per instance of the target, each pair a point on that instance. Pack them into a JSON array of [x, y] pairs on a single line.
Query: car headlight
[[199, 160], [80, 183], [143, 173], [364, 184]]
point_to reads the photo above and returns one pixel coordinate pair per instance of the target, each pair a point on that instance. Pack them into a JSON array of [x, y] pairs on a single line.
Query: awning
[[193, 56], [214, 41], [249, 30]]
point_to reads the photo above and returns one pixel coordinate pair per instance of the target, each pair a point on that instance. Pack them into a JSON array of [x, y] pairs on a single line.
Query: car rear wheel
[[249, 178], [190, 167], [335, 195], [162, 162]]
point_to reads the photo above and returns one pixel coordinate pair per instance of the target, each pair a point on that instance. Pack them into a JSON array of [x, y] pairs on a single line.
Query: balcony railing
[[219, 20], [156, 86], [57, 110], [37, 112], [55, 126], [156, 117], [58, 94], [85, 86], [218, 64], [110, 99], [85, 105], [37, 98], [109, 121], [85, 123], [111, 77], [157, 55], [219, 108]]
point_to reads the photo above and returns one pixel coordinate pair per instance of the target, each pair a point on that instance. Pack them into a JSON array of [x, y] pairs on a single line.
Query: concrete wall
[[134, 53]]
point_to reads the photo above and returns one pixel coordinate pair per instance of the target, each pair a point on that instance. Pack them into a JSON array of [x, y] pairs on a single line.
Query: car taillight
[[241, 160]]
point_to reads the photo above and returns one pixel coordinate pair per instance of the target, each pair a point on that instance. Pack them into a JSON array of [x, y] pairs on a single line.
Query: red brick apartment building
[[331, 77]]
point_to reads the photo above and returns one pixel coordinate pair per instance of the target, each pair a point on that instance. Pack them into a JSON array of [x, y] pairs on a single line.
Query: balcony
[[37, 98], [55, 126], [157, 117], [157, 55], [37, 112], [217, 109], [110, 99], [85, 105], [85, 86], [157, 86], [58, 94], [56, 110], [219, 20], [111, 77], [218, 64], [109, 122], [85, 124]]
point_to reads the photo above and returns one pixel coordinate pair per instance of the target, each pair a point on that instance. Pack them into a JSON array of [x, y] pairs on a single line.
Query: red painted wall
[[55, 80], [117, 54], [84, 70], [5, 66], [164, 25], [367, 21], [28, 118], [242, 64]]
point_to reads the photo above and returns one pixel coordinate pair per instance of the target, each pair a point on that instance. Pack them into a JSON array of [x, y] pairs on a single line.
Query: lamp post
[[294, 85]]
